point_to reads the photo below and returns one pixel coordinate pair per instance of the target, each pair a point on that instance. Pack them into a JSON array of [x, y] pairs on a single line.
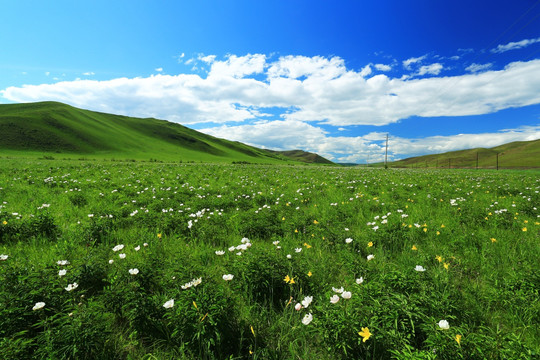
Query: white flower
[[3, 257], [340, 290], [244, 240], [275, 242], [122, 256], [232, 248], [307, 300], [118, 248], [39, 305], [72, 286], [62, 272], [111, 261], [228, 277], [138, 248], [62, 262], [196, 282], [289, 256], [133, 271], [298, 306], [334, 299], [298, 250], [443, 324], [145, 244], [419, 268], [370, 257], [220, 252], [169, 304], [360, 280], [307, 319], [348, 240], [346, 295]]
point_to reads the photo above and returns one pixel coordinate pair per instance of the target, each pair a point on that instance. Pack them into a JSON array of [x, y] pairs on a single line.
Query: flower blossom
[[443, 324], [307, 300], [169, 304], [39, 305], [228, 277], [334, 299], [307, 319], [134, 271], [72, 286]]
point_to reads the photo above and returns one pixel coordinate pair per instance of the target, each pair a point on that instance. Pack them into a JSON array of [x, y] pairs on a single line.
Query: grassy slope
[[55, 128], [515, 154]]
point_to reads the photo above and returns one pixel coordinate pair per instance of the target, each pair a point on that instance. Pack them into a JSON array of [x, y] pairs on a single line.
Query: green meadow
[[144, 260]]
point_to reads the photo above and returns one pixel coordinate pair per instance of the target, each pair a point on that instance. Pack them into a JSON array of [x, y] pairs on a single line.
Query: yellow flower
[[493, 240], [425, 229], [370, 244], [4, 222], [365, 334], [159, 235], [414, 247], [283, 218], [438, 232], [287, 279], [442, 225], [526, 221], [439, 258], [296, 230], [446, 265], [292, 281], [315, 222], [458, 339], [252, 331], [309, 273], [307, 245], [524, 229]]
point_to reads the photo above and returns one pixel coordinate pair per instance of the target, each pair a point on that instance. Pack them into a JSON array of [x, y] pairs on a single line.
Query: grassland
[[326, 262], [58, 130]]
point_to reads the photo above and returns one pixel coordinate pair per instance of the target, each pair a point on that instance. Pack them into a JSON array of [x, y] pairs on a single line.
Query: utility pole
[[386, 154]]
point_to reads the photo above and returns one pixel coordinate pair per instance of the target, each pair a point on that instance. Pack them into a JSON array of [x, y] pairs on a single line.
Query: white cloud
[[407, 63], [89, 73], [433, 69], [474, 68], [308, 89], [284, 135], [238, 66], [159, 69], [383, 67], [515, 45], [47, 73]]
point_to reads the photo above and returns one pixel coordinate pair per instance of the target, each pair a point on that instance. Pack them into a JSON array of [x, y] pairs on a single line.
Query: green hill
[[51, 128], [303, 156], [519, 154]]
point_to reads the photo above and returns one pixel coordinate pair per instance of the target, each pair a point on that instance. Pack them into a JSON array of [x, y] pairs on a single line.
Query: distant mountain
[[303, 156], [49, 128], [518, 154]]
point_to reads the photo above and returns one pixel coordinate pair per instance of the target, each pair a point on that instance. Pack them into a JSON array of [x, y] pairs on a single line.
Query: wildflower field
[[133, 260]]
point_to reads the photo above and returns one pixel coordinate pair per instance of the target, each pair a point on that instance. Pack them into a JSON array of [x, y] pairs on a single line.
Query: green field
[[56, 130], [326, 262]]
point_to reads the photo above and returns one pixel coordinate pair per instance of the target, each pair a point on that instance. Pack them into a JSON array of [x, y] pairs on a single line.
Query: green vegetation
[[56, 130], [123, 260], [519, 154]]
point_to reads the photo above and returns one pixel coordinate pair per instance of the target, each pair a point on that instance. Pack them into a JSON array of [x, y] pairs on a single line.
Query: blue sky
[[327, 77]]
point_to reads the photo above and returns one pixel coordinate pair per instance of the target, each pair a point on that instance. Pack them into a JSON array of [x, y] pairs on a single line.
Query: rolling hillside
[[519, 154], [51, 128]]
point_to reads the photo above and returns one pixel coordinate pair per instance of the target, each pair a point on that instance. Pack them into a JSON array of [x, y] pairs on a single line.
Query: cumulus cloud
[[383, 67], [284, 135], [515, 45], [433, 69], [474, 68], [407, 63], [159, 69], [89, 73], [299, 88]]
